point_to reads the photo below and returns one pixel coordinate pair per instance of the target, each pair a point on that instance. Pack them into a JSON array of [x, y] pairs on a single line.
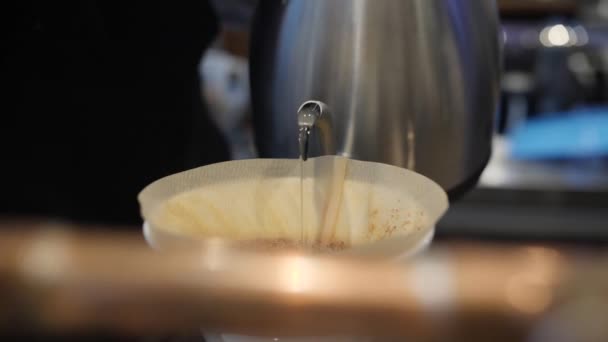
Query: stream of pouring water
[[303, 136]]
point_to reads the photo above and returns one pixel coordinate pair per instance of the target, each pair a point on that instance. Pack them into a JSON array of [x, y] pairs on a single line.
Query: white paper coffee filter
[[349, 206]]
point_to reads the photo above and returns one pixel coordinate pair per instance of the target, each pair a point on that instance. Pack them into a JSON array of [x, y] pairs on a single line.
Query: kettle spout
[[310, 115]]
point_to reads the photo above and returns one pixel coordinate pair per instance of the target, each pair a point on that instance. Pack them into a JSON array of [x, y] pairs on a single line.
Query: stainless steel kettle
[[413, 83]]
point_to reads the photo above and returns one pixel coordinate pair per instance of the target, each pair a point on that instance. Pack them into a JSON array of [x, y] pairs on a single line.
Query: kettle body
[[412, 83]]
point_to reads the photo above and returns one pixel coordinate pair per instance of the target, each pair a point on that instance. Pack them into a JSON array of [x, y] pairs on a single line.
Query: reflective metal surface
[[315, 114], [411, 83]]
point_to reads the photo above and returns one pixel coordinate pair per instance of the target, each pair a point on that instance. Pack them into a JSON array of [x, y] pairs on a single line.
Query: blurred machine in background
[[548, 178]]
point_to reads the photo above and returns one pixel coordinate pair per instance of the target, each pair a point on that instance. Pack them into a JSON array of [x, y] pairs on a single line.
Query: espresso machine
[[409, 83]]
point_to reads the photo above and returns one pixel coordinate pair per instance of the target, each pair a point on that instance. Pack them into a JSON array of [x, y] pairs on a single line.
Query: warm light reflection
[[47, 256], [296, 272], [528, 293], [213, 258], [543, 254], [531, 290]]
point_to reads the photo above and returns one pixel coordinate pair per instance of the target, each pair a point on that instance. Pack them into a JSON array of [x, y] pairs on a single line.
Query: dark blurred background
[[100, 99]]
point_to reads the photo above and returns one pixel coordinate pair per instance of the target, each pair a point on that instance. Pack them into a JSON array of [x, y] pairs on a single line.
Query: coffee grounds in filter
[[257, 203]]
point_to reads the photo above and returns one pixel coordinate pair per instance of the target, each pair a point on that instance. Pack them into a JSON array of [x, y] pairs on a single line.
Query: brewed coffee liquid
[[302, 238], [303, 136]]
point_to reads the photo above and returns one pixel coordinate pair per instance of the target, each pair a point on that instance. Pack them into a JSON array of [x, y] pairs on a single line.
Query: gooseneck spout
[[310, 115]]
